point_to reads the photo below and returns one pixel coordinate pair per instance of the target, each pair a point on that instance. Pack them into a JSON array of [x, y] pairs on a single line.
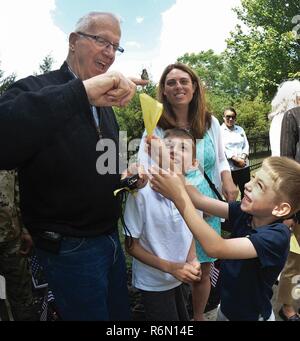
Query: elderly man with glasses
[[236, 149], [50, 126]]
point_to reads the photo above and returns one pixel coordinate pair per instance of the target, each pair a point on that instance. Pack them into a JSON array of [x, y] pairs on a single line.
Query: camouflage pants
[[14, 268]]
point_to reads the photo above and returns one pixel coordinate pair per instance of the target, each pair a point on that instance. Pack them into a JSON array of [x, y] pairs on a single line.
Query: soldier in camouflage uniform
[[15, 243]]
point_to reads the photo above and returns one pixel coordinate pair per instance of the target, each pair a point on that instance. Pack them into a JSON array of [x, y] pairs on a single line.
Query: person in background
[[55, 128], [236, 149], [15, 245], [285, 141], [183, 98]]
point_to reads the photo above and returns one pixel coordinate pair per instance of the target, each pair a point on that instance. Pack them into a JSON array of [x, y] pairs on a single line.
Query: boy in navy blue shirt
[[257, 251]]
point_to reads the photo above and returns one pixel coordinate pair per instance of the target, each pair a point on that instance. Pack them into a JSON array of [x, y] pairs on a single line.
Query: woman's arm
[[229, 189], [245, 150]]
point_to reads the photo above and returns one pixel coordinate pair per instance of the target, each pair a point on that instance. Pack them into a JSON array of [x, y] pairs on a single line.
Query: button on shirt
[[235, 143]]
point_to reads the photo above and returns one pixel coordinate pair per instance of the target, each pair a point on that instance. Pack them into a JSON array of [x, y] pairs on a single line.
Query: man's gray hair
[[85, 22], [285, 98]]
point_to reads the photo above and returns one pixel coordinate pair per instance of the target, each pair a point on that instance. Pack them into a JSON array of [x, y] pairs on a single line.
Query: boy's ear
[[282, 210]]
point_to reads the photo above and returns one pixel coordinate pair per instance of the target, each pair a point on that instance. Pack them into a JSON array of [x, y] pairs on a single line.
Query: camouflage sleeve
[[17, 203], [9, 221]]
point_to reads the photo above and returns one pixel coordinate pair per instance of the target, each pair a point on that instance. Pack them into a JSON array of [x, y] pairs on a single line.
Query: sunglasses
[[229, 117]]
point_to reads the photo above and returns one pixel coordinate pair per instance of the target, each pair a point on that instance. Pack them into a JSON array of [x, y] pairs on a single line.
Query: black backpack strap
[[211, 184], [213, 187]]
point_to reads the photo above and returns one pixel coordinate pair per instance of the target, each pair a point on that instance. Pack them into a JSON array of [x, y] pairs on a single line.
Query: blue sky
[[154, 32], [147, 32]]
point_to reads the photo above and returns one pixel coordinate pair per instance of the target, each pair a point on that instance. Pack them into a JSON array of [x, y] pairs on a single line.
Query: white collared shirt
[[235, 143]]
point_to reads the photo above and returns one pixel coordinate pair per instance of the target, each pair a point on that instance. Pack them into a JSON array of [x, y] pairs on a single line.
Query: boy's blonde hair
[[285, 174]]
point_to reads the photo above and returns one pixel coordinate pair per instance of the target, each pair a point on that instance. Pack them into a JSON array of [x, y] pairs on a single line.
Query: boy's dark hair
[[181, 133], [230, 109]]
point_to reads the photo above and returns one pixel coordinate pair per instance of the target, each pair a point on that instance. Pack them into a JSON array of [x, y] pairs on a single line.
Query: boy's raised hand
[[155, 147], [166, 182]]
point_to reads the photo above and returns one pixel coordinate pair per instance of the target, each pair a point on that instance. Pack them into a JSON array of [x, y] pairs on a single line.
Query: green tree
[[130, 118], [46, 65], [208, 65], [217, 101], [253, 116], [5, 82], [216, 71], [266, 51], [223, 90]]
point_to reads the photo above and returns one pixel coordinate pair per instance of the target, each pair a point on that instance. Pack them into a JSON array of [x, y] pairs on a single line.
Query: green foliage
[[215, 71], [223, 90], [218, 101], [130, 118], [259, 56], [46, 65], [5, 82], [253, 116], [267, 51], [276, 14], [208, 65]]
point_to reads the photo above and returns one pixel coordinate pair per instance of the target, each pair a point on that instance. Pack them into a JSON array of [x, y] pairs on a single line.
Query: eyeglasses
[[229, 117], [102, 41]]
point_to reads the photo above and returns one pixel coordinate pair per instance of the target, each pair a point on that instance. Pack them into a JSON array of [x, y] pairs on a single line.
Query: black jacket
[[290, 137], [47, 131], [290, 134]]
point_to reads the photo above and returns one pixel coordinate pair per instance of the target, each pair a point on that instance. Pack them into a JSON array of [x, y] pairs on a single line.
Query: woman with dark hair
[[236, 149], [183, 98]]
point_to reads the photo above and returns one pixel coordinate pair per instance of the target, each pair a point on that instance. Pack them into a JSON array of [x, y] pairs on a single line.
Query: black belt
[[48, 241]]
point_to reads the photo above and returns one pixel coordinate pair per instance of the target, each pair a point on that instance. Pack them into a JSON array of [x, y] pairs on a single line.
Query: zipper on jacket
[[98, 127]]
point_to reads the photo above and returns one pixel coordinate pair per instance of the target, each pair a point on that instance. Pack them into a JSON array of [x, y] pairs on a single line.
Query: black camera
[[129, 182]]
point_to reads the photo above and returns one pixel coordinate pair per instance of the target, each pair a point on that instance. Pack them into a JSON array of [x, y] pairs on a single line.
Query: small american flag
[[39, 282], [44, 310], [214, 275], [38, 279]]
